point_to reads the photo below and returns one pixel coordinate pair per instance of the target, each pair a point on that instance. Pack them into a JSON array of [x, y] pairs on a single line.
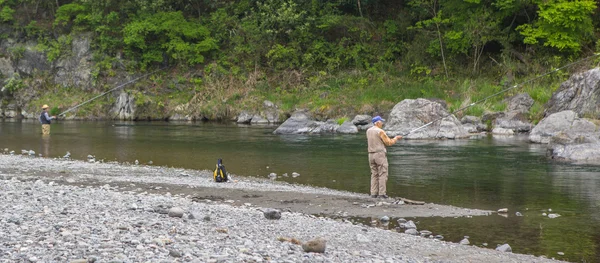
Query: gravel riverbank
[[73, 211]]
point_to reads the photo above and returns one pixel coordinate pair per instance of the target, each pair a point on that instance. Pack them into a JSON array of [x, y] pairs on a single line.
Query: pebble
[[272, 214], [176, 212], [317, 245], [504, 248]]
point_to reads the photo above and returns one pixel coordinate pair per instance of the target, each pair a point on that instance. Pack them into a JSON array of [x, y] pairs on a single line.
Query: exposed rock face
[[580, 93], [124, 108], [76, 69], [6, 67], [565, 121], [411, 114], [32, 60]]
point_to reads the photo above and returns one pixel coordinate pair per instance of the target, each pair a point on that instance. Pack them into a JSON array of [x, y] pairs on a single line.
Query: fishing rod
[[502, 91], [113, 89]]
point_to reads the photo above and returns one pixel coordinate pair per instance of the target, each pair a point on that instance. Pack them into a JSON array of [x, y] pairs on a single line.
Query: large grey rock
[[347, 128], [411, 114], [519, 103], [124, 107], [361, 120], [580, 93], [574, 147], [515, 117], [565, 121], [301, 123], [75, 69], [514, 120]]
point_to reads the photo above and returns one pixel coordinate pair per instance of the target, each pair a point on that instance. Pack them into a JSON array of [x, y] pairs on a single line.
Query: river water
[[485, 173]]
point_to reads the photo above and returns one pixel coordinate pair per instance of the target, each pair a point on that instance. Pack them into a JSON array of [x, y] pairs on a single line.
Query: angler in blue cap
[[377, 141]]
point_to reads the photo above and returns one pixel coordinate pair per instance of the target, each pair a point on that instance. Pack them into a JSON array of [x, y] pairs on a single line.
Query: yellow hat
[[45, 106]]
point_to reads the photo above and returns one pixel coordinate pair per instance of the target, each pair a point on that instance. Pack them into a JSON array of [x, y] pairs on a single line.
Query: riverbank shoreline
[[51, 198]]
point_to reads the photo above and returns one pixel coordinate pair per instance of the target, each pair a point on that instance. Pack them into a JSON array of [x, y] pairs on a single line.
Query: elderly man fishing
[[377, 141], [45, 120]]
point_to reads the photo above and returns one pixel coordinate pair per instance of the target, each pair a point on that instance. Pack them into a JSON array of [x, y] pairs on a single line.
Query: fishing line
[[117, 87], [502, 91]]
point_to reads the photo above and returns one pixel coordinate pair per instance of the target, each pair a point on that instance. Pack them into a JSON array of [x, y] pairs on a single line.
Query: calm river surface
[[487, 173]]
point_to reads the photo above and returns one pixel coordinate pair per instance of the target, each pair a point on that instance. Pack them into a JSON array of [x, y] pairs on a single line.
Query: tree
[[561, 24]]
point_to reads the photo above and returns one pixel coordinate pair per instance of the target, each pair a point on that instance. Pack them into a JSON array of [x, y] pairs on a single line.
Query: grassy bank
[[327, 96]]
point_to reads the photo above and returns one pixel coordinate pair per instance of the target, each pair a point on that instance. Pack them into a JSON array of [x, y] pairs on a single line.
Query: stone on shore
[[347, 128], [176, 212], [504, 248], [317, 245], [411, 231], [361, 120], [411, 114], [272, 214]]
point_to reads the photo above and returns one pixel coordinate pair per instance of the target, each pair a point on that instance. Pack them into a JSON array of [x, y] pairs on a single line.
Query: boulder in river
[[411, 114], [302, 123], [577, 148], [564, 121]]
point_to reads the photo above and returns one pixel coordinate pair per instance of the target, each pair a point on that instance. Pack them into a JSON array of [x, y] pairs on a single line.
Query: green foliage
[[56, 48], [6, 14], [16, 52], [149, 37], [14, 83], [561, 24], [341, 120], [54, 111], [70, 13]]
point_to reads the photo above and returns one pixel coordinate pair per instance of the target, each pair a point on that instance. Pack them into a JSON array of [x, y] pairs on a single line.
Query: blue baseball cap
[[377, 118]]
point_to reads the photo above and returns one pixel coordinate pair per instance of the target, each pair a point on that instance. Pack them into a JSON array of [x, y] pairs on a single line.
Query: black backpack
[[220, 175]]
